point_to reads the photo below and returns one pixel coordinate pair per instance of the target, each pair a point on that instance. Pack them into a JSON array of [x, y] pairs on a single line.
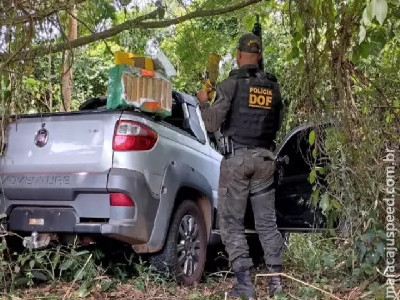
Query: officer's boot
[[274, 282], [244, 287]]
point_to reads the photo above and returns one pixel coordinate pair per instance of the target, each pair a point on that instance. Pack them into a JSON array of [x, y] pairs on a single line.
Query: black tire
[[184, 253]]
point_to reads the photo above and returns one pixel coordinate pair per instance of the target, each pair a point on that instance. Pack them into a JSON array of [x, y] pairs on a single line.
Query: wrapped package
[[142, 88]]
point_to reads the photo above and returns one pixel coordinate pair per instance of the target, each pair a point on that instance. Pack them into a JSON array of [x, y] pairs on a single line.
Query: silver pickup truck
[[129, 176]]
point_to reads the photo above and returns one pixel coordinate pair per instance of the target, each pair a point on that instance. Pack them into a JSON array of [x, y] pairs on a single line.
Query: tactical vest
[[254, 115]]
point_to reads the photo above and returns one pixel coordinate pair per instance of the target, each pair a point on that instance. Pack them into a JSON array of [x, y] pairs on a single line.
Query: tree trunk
[[67, 79]]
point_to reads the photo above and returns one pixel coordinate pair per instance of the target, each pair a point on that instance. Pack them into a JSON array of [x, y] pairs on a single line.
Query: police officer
[[247, 109]]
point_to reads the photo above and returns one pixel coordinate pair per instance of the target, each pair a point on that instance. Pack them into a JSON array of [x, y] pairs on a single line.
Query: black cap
[[249, 43]]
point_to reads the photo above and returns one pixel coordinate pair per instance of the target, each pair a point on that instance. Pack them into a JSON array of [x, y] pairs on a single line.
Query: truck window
[[194, 124], [191, 124], [177, 117]]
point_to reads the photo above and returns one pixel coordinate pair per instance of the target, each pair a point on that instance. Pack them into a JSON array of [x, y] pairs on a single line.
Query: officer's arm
[[214, 115]]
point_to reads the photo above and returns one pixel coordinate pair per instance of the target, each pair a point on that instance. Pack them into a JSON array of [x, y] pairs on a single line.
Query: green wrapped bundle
[[146, 90]]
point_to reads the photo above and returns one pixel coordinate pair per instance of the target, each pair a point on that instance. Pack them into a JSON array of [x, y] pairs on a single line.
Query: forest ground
[[306, 265]]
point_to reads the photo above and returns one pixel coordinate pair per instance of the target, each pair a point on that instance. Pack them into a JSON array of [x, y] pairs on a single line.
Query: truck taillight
[[120, 199], [131, 135]]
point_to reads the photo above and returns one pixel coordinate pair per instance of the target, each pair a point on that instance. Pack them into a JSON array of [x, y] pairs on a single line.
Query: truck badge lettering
[[58, 180], [260, 97]]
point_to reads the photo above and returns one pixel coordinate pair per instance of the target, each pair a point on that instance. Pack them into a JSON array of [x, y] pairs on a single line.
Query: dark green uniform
[[241, 106]]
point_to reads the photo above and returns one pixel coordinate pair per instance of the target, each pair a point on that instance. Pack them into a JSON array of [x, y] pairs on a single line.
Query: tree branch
[[139, 22], [90, 30], [197, 14], [40, 14], [43, 50], [25, 44]]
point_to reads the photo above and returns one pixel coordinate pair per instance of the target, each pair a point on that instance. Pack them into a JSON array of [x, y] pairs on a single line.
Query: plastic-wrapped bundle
[[144, 89]]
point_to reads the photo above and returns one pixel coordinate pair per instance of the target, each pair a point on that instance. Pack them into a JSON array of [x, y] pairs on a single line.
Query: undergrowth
[[326, 262], [84, 267], [75, 271]]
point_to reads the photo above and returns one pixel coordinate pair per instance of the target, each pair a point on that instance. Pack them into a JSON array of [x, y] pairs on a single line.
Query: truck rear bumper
[[81, 208], [65, 220]]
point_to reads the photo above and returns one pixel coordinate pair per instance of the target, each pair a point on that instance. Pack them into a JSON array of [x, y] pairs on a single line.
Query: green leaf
[[370, 236], [39, 275], [375, 286], [325, 203], [294, 53], [376, 257], [361, 252], [362, 34], [83, 290], [32, 264], [21, 281], [315, 197], [389, 117], [365, 18], [311, 137], [380, 248], [106, 286], [313, 174], [314, 153], [139, 284], [382, 235], [336, 204], [66, 265], [368, 269], [380, 9], [373, 48], [17, 269], [329, 260], [370, 10], [31, 81], [320, 170], [79, 253], [379, 36], [56, 259], [297, 36], [79, 275]]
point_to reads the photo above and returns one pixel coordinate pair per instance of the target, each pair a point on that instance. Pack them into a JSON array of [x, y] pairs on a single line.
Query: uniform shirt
[[215, 115]]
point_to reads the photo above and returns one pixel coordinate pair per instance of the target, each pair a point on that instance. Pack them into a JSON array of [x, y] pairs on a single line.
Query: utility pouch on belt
[[225, 144]]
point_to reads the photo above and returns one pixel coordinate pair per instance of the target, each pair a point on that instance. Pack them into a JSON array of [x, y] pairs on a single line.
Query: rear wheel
[[184, 252]]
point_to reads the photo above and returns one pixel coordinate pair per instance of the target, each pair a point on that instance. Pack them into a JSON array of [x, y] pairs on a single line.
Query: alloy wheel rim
[[188, 245]]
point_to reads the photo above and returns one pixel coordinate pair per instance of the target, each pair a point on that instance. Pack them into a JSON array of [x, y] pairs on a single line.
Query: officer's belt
[[239, 148]]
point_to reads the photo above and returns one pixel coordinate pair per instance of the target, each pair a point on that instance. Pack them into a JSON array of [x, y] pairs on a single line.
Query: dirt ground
[[213, 289], [217, 280]]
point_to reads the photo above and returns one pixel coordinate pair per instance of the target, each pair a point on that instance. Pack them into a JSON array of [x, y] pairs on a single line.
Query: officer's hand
[[202, 95]]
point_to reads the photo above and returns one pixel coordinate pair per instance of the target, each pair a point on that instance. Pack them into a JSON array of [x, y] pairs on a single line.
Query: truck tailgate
[[76, 142]]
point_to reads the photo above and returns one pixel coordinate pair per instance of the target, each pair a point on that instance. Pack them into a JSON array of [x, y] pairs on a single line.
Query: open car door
[[295, 213]]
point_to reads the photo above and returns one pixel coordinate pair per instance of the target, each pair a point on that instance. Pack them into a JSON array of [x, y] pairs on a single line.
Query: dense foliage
[[336, 61]]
